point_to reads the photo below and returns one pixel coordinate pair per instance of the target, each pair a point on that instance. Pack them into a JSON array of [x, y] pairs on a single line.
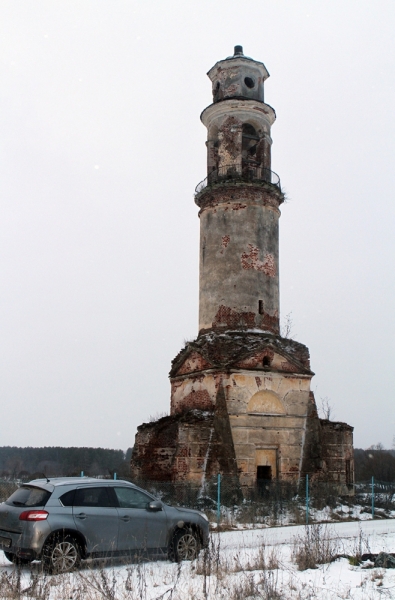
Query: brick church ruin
[[241, 402]]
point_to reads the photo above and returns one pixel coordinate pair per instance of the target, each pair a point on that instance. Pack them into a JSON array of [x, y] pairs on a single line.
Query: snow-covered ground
[[252, 563]]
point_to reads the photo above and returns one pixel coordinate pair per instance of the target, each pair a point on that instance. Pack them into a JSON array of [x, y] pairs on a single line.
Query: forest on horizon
[[56, 461]]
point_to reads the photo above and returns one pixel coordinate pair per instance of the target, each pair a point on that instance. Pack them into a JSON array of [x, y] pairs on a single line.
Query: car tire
[[185, 545], [61, 554], [21, 562]]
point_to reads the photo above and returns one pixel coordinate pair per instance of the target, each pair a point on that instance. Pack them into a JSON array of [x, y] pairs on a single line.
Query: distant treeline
[[374, 462], [51, 461]]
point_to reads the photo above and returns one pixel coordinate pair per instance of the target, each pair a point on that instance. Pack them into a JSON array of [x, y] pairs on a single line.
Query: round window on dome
[[250, 83]]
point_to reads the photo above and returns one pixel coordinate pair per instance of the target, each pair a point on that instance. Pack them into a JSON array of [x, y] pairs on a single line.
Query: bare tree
[[287, 326], [378, 446], [326, 408]]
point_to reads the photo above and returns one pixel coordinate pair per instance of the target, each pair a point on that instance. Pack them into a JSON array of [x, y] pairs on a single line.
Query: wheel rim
[[187, 547], [64, 557]]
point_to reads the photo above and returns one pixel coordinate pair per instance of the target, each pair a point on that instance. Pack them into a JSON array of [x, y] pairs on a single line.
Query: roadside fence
[[272, 502]]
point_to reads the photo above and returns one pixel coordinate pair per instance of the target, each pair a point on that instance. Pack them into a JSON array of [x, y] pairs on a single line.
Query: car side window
[[93, 496], [68, 498], [131, 498]]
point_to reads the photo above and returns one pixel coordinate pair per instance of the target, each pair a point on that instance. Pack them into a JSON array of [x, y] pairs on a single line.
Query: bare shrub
[[265, 560], [361, 547], [158, 415], [266, 588], [315, 547], [13, 586]]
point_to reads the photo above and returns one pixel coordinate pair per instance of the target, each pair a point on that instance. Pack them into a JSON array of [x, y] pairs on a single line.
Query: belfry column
[[239, 203]]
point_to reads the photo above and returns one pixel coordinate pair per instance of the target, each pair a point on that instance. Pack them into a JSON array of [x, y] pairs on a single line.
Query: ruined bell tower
[[241, 402], [239, 203]]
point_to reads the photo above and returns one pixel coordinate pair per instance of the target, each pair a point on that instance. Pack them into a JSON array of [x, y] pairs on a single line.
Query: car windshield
[[28, 495]]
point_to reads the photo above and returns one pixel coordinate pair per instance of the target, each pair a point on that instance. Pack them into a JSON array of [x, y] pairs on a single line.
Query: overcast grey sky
[[101, 148]]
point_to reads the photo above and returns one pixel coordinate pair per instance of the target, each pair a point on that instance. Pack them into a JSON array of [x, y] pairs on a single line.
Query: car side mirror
[[155, 505]]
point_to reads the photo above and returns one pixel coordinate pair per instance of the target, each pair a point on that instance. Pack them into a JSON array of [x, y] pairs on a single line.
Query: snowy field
[[239, 565]]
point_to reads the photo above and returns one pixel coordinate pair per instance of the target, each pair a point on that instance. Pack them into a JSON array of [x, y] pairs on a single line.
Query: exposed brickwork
[[199, 399], [159, 454], [225, 241], [232, 90], [232, 348], [238, 195], [228, 318], [337, 451], [256, 360], [250, 260], [286, 366], [229, 138], [194, 362], [270, 322], [328, 453]]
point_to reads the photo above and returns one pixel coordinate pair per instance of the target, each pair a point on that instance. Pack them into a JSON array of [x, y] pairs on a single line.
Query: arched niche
[[265, 403], [252, 140]]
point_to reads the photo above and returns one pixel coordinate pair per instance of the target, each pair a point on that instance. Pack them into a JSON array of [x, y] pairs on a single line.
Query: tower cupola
[[238, 76]]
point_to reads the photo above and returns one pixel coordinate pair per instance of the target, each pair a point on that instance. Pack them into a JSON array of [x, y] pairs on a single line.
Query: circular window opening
[[249, 82]]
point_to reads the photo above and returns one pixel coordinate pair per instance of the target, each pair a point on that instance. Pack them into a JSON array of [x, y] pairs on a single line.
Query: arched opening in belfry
[[250, 140], [218, 93]]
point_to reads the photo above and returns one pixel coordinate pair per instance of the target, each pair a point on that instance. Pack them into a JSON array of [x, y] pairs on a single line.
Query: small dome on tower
[[238, 76]]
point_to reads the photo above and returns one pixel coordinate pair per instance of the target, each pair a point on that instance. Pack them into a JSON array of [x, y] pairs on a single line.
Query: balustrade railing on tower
[[247, 173]]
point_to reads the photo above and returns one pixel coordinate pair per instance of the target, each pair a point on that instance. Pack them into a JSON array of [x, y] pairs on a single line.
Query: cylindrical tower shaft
[[239, 202]]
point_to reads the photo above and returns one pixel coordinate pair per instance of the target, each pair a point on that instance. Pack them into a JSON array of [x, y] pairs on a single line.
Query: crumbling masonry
[[241, 402]]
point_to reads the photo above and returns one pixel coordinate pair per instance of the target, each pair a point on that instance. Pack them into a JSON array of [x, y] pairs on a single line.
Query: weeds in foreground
[[248, 573], [316, 546], [266, 588], [361, 547]]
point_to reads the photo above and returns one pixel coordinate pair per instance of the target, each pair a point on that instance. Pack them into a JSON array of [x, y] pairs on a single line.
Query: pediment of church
[[269, 359], [242, 350], [193, 363]]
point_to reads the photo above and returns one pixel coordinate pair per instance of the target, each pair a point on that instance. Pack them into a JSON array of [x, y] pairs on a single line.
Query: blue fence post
[[82, 473], [115, 475], [219, 500], [307, 499], [372, 497]]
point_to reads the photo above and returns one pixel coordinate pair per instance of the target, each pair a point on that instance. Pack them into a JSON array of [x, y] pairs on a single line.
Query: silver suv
[[63, 520]]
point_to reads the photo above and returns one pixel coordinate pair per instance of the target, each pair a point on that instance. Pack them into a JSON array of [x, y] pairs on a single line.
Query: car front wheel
[[61, 554], [186, 545]]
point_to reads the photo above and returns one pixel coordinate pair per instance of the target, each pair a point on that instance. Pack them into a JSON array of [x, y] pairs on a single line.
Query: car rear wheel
[[16, 560], [61, 554], [185, 546]]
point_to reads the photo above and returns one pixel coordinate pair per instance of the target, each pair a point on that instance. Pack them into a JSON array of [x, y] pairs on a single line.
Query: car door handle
[[81, 516], [125, 518]]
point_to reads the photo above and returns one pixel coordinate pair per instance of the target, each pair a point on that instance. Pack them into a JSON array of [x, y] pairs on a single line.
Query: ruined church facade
[[241, 402]]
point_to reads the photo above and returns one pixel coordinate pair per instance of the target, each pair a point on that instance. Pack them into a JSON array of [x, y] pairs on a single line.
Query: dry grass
[[256, 573], [317, 546]]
